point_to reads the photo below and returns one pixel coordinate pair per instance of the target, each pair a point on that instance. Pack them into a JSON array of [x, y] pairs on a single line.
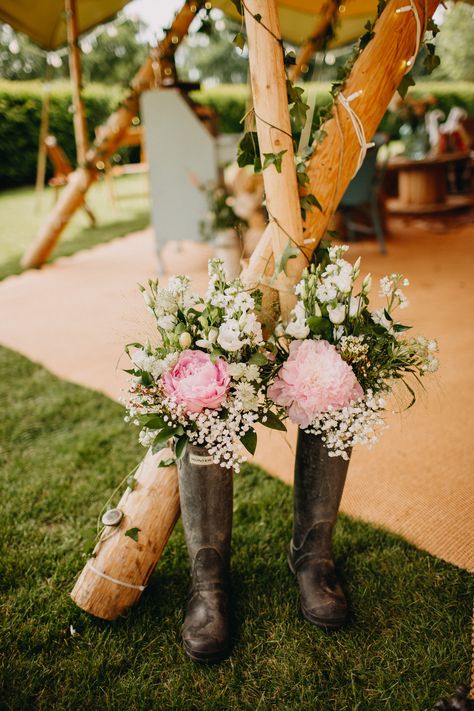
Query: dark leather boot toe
[[205, 632], [323, 602]]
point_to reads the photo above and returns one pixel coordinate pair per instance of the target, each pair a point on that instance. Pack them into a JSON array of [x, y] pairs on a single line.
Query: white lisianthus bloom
[[326, 292], [354, 306], [379, 318], [298, 328], [317, 310], [337, 313], [229, 336], [367, 284], [343, 281]]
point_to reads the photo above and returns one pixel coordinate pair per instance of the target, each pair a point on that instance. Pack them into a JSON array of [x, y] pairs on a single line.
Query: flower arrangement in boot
[[203, 379], [343, 360]]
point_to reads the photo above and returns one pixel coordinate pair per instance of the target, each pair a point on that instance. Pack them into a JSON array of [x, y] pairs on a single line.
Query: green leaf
[[257, 17], [273, 422], [288, 253], [249, 440], [307, 202], [152, 422], [162, 437], [180, 446], [133, 533], [166, 462], [405, 84], [290, 58], [239, 41], [399, 327], [387, 315], [248, 151], [320, 326], [238, 5], [258, 359], [273, 159], [430, 62]]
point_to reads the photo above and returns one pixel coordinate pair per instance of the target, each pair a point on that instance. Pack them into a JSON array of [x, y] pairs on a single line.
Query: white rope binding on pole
[[357, 124], [114, 580], [412, 8]]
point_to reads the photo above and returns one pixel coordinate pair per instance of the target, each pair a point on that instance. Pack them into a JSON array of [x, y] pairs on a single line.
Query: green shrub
[[20, 113]]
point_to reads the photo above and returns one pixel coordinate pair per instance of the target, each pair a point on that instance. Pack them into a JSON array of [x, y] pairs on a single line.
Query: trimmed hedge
[[20, 113], [20, 110]]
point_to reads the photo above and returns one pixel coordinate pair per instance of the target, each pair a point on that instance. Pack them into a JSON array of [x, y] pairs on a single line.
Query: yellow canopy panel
[[299, 18], [44, 20]]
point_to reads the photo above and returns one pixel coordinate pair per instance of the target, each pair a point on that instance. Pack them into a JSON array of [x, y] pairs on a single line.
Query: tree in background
[[111, 54], [455, 44]]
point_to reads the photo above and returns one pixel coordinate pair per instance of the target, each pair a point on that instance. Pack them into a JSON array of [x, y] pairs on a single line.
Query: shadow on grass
[[88, 237], [62, 450]]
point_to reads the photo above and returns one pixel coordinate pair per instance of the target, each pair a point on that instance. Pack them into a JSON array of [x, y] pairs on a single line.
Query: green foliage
[[20, 109], [62, 449], [455, 45]]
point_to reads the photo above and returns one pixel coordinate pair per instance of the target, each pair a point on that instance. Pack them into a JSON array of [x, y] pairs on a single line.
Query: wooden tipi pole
[[108, 139], [272, 118], [80, 128], [314, 43], [376, 73], [43, 132]]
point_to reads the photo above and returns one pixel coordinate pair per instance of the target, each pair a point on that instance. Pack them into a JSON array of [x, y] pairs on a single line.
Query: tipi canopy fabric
[[45, 22], [298, 18]]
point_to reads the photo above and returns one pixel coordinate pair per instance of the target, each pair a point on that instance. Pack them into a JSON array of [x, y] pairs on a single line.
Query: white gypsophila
[[229, 337], [298, 328], [246, 394], [146, 437], [402, 299], [358, 423], [385, 286]]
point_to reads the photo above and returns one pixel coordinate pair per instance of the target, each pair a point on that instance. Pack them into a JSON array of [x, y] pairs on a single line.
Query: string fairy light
[[412, 8], [357, 124]]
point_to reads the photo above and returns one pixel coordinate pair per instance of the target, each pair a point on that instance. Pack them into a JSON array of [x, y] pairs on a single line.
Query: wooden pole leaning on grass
[[376, 73], [108, 139], [114, 578], [314, 43], [272, 118]]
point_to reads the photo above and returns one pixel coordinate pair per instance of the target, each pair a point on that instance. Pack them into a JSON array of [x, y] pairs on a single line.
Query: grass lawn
[[62, 450], [22, 213]]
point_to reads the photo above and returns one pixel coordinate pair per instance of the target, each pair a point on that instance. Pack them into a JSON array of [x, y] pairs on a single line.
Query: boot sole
[[206, 657], [317, 621]]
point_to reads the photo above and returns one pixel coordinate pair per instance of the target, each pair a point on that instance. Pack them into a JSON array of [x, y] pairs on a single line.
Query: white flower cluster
[[353, 349], [357, 423]]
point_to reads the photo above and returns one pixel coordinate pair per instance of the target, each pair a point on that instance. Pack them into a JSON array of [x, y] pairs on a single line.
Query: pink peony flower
[[314, 379], [197, 382]]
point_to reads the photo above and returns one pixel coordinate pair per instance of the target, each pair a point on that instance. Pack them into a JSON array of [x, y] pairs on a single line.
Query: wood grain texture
[[270, 102], [152, 507], [79, 116], [377, 72]]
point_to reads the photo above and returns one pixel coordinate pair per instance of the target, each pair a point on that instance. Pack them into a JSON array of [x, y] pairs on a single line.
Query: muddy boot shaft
[[318, 485], [206, 509]]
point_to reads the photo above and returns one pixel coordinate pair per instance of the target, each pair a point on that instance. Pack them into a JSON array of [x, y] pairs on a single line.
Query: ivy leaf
[[239, 41], [365, 39], [320, 326], [432, 26], [430, 62], [258, 359], [133, 533], [290, 58], [273, 159], [257, 17], [307, 202], [405, 84], [249, 440], [248, 151], [288, 253], [272, 421], [298, 112], [180, 446]]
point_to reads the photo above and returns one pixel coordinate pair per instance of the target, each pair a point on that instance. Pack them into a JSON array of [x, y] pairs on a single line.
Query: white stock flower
[[251, 373], [236, 370], [252, 327], [246, 394], [229, 336], [379, 318], [337, 313], [167, 322]]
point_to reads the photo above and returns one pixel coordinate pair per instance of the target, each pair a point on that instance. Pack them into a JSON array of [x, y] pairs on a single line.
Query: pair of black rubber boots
[[206, 507]]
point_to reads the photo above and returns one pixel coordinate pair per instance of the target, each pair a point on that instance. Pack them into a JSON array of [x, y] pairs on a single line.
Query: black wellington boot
[[206, 508], [319, 482]]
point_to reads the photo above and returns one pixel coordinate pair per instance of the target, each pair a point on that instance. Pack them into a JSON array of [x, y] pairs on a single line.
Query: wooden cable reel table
[[422, 185]]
